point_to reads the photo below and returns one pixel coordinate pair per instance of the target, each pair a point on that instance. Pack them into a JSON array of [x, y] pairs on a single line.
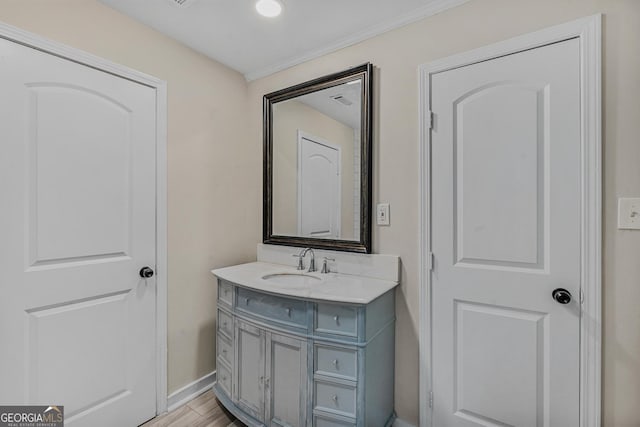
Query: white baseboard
[[401, 423], [190, 391]]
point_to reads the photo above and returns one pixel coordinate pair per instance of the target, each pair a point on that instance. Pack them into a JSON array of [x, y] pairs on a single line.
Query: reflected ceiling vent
[[182, 4], [341, 99]]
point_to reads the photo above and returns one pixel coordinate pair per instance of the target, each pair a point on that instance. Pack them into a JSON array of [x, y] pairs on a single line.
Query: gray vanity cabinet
[[270, 370], [301, 363]]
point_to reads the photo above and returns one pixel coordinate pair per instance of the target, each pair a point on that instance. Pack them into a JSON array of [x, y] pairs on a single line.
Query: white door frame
[[588, 31], [306, 135], [40, 43]]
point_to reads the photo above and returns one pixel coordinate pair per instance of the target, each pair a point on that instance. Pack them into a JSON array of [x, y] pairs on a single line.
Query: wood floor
[[203, 411]]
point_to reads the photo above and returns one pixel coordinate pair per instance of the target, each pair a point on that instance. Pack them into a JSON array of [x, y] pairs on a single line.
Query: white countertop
[[331, 286]]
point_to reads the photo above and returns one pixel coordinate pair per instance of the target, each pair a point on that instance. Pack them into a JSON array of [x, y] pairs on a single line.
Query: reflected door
[[318, 188], [77, 223], [505, 234]]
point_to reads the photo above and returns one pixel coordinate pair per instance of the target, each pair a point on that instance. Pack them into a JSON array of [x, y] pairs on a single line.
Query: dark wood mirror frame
[[363, 245]]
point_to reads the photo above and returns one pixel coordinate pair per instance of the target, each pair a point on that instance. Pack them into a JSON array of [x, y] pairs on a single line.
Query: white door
[[505, 234], [318, 188], [77, 223]]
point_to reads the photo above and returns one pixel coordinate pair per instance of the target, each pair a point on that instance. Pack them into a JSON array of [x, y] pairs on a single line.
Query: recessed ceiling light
[[269, 8]]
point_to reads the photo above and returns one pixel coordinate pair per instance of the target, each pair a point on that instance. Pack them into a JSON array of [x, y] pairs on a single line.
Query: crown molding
[[431, 9]]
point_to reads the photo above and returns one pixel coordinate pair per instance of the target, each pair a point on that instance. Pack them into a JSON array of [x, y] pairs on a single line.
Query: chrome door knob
[[146, 272], [561, 295]]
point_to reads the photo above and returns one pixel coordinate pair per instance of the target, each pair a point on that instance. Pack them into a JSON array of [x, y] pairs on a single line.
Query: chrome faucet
[[312, 263], [325, 267]]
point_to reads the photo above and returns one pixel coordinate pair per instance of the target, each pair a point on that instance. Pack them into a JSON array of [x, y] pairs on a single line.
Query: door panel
[[318, 189], [505, 233], [63, 208], [250, 365], [481, 363], [93, 330], [287, 393], [77, 180], [487, 152]]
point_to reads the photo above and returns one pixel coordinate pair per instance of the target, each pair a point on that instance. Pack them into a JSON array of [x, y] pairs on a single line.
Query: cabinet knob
[[335, 398], [335, 363]]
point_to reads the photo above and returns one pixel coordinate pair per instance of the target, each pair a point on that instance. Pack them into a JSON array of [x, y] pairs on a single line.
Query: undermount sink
[[292, 279]]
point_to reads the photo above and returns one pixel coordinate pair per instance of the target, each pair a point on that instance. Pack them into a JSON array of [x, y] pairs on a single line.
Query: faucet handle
[[300, 261], [325, 267]]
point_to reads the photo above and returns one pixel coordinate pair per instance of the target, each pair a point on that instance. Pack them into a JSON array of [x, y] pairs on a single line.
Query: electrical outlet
[[382, 214], [629, 213]]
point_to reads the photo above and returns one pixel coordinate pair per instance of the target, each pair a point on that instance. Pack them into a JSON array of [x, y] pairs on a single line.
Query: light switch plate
[[382, 214], [629, 213]]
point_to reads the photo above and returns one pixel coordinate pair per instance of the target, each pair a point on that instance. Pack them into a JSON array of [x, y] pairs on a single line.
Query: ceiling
[[346, 112], [231, 32]]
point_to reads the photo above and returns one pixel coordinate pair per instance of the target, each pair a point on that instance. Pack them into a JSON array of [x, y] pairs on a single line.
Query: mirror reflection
[[317, 162], [316, 168]]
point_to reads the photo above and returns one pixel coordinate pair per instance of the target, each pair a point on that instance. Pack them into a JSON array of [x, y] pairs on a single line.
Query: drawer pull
[[337, 319], [224, 324], [246, 301], [335, 363], [226, 291], [224, 378], [335, 398], [224, 351], [288, 311]]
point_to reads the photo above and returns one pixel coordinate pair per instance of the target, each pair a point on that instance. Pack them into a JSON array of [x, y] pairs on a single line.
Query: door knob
[[146, 272], [561, 295]]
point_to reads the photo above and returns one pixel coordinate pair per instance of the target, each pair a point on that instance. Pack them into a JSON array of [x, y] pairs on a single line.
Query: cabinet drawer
[[225, 350], [336, 398], [225, 292], [285, 310], [336, 361], [224, 378], [337, 319], [225, 324]]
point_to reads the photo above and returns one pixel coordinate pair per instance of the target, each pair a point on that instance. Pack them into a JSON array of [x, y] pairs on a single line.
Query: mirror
[[317, 163]]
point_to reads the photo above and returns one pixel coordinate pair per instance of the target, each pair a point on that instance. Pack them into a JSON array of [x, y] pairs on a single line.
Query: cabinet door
[[250, 364], [286, 381]]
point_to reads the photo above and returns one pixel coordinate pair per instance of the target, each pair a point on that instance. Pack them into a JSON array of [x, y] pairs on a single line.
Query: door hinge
[[430, 261], [430, 399], [430, 116]]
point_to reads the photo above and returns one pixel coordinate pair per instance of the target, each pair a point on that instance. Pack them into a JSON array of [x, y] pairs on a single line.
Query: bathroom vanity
[[305, 349], [301, 348]]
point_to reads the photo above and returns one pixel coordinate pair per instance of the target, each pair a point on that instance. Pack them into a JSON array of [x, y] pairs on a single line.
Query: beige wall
[[213, 202], [397, 55], [288, 118]]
